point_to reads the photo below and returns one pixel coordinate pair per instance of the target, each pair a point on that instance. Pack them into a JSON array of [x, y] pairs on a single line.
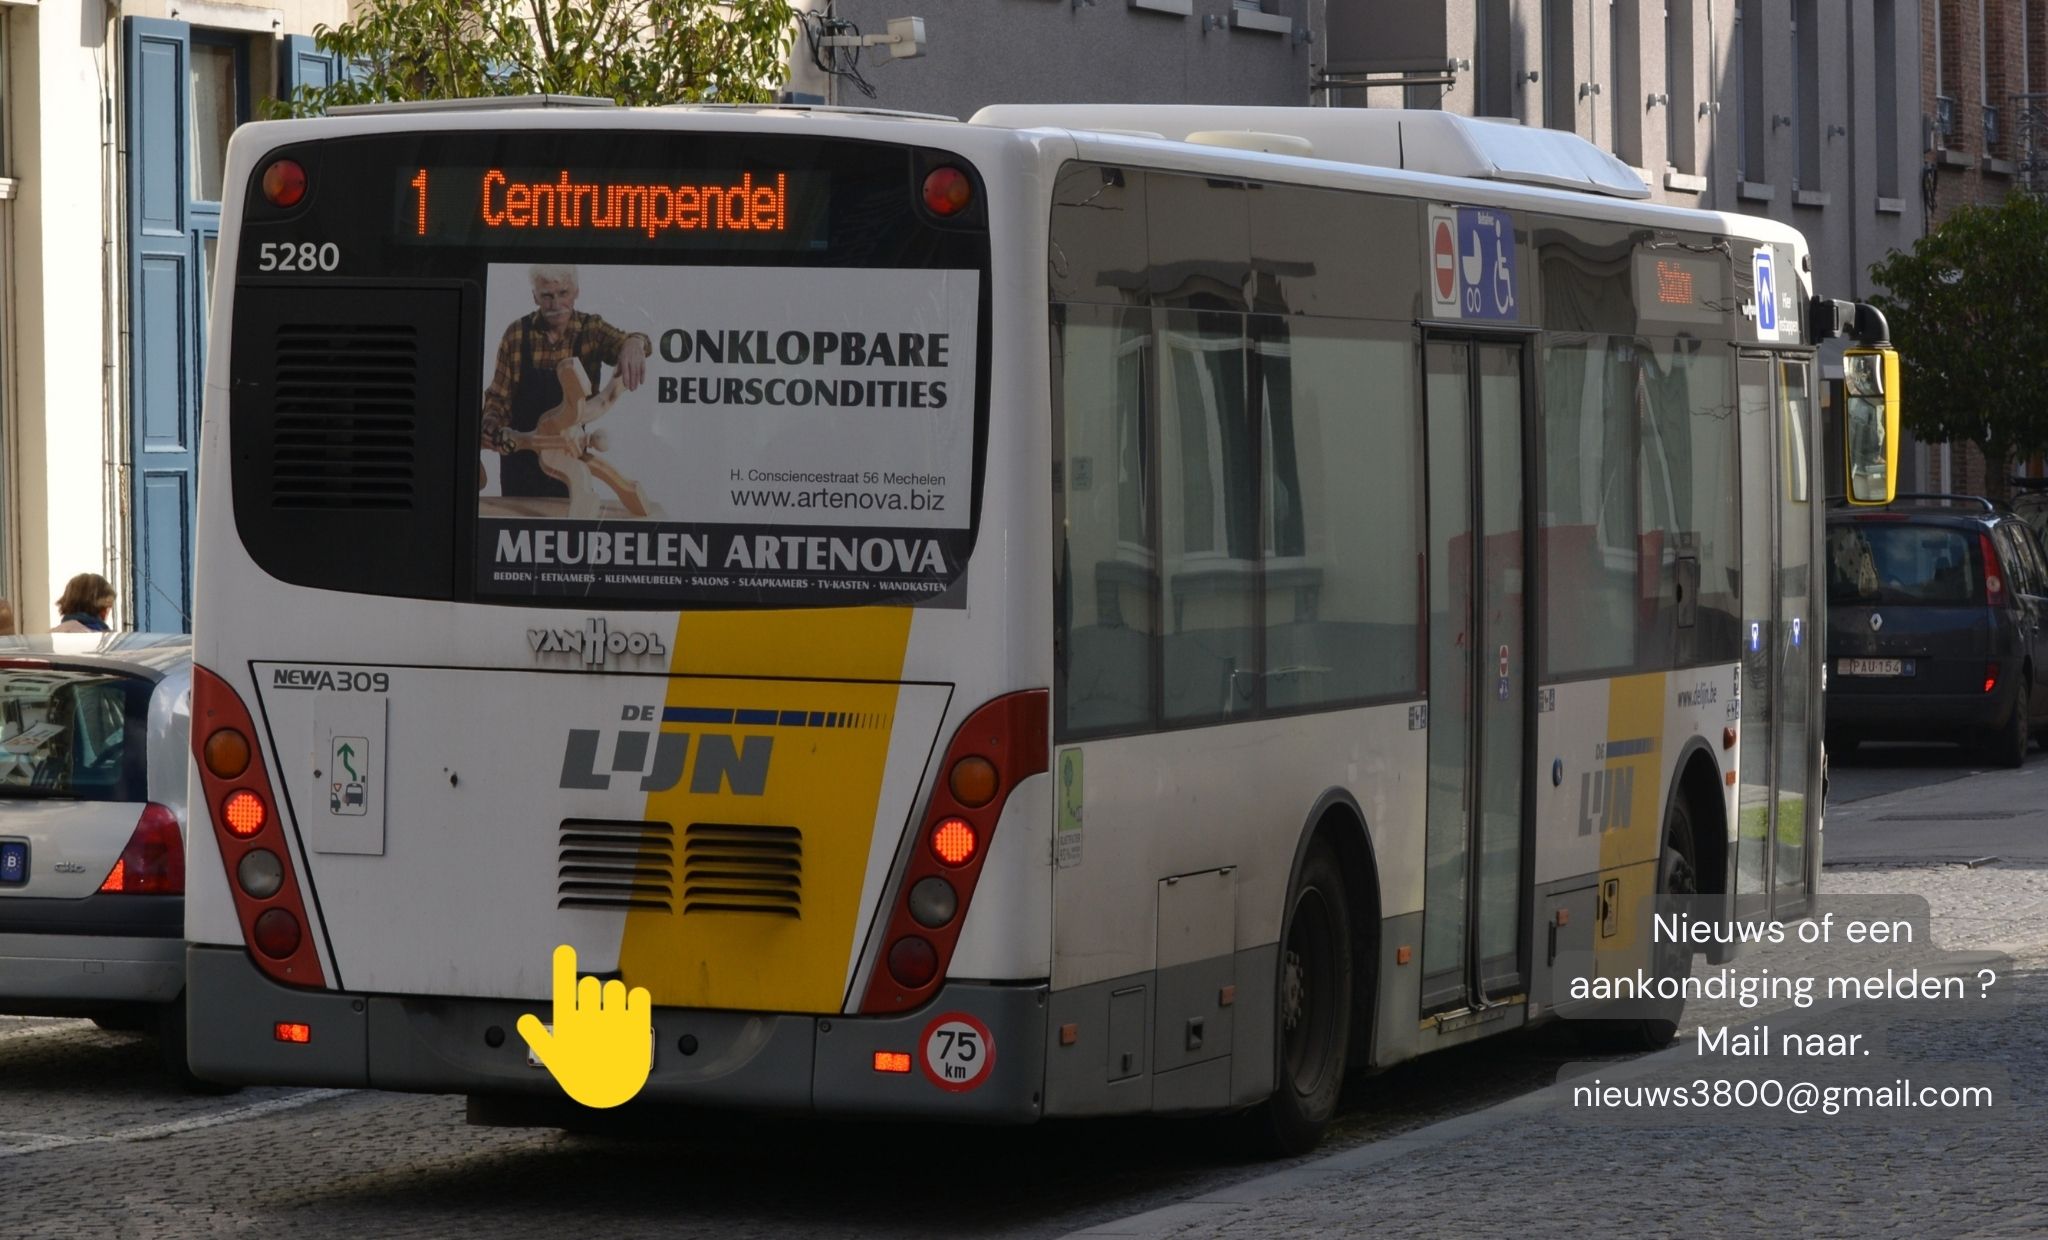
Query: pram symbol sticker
[[348, 788]]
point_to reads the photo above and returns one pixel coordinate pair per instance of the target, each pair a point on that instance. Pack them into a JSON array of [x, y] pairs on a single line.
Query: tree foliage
[[1968, 309], [630, 51]]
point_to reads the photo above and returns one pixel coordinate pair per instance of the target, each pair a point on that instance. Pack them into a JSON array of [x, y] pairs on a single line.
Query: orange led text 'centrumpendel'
[[567, 203]]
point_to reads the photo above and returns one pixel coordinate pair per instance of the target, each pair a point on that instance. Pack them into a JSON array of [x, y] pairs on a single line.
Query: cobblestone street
[[1954, 1174]]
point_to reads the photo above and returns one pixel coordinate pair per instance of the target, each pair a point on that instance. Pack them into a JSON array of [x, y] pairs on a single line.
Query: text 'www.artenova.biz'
[[1795, 1097]]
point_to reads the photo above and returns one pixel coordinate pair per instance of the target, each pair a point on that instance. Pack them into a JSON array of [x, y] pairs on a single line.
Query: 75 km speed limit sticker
[[957, 1052]]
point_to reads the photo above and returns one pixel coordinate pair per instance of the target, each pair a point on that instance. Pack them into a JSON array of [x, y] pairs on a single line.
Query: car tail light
[[251, 839], [153, 863], [1000, 745], [1990, 677], [1994, 575]]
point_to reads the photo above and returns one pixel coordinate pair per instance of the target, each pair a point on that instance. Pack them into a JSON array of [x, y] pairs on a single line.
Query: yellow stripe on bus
[[767, 885], [1632, 832]]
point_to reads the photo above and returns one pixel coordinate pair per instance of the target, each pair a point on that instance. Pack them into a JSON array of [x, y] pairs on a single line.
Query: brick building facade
[[1984, 98]]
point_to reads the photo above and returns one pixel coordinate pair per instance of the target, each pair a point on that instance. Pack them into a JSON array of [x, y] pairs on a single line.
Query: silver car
[[93, 753]]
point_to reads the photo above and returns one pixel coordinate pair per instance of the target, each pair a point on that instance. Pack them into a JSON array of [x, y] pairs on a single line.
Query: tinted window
[[74, 734], [1871, 563]]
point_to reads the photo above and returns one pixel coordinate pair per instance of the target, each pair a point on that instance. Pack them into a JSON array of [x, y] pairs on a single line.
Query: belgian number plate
[[1876, 667]]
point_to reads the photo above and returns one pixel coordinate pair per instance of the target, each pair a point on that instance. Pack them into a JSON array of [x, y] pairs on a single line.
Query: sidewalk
[[1531, 1168]]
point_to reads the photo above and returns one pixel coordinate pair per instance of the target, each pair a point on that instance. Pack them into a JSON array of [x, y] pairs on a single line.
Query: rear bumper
[[59, 972], [1916, 716], [757, 1061]]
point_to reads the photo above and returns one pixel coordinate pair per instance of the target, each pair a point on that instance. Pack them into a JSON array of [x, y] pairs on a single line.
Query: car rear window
[[74, 733], [1894, 564]]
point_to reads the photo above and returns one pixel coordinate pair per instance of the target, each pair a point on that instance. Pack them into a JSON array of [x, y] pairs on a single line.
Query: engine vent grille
[[616, 865], [731, 868], [346, 409]]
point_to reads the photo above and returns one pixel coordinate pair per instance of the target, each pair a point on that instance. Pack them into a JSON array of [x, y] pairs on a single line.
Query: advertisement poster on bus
[[726, 435]]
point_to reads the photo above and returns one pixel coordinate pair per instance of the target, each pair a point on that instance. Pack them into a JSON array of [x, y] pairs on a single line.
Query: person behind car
[[88, 599]]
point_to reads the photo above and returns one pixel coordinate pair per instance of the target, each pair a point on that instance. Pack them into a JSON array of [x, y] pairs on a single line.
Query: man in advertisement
[[526, 383]]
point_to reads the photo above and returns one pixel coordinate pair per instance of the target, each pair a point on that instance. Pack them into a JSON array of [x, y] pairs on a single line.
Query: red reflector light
[[284, 183], [277, 934], [287, 1032], [892, 1061], [947, 191], [244, 813], [913, 962], [953, 842], [153, 863]]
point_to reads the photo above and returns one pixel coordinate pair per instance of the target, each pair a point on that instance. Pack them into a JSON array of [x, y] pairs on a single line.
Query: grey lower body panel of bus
[[757, 1061]]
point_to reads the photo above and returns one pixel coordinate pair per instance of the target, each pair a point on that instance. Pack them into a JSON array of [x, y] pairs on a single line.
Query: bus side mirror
[[1870, 383]]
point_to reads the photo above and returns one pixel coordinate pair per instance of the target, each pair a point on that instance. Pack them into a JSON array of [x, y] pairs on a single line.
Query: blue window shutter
[[163, 391], [304, 64]]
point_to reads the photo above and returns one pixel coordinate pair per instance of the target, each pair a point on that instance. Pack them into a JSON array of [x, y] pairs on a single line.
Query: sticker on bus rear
[[957, 1052]]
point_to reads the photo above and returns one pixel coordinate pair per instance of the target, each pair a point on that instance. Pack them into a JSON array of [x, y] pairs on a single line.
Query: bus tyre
[[1677, 880], [1312, 1031]]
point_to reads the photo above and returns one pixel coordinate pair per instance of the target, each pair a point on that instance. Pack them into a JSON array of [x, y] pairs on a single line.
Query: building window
[[1495, 59], [1806, 90], [220, 101], [1747, 53], [1887, 40], [1624, 101], [1560, 76]]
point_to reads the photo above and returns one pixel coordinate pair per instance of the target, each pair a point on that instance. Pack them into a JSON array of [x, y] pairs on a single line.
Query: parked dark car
[[1936, 614]]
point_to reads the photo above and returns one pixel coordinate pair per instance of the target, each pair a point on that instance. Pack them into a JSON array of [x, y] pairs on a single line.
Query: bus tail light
[[1000, 745], [294, 1031], [947, 191], [284, 183], [153, 863], [249, 834]]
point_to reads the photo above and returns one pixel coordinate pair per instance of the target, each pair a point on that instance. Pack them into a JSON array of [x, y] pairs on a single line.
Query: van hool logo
[[595, 641]]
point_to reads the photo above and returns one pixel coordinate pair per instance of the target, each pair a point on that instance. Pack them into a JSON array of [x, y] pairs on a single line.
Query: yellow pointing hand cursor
[[602, 1045]]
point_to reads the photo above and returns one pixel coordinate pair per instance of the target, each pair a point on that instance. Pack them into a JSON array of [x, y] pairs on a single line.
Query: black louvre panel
[[347, 410], [354, 415]]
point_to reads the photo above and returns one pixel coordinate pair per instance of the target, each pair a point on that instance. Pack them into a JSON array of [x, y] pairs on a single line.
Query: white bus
[[1091, 610]]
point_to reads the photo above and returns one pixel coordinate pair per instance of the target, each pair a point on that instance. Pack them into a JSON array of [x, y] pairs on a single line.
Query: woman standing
[[88, 598]]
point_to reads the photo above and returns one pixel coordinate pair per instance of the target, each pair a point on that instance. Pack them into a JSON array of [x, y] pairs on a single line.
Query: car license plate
[[1877, 667], [13, 862]]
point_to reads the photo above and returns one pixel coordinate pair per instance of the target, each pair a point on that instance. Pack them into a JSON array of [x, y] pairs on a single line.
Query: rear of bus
[[719, 677]]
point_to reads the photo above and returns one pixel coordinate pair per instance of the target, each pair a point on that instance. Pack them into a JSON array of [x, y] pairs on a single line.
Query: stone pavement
[[1532, 1168]]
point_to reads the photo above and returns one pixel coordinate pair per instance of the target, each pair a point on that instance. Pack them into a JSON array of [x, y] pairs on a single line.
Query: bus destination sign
[[552, 207]]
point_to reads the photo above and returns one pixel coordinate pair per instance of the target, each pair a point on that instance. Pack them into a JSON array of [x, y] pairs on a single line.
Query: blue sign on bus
[[1766, 292], [1486, 265]]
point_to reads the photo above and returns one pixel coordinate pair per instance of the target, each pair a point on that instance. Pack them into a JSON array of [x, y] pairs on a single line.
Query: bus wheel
[[1313, 1012], [1677, 880]]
